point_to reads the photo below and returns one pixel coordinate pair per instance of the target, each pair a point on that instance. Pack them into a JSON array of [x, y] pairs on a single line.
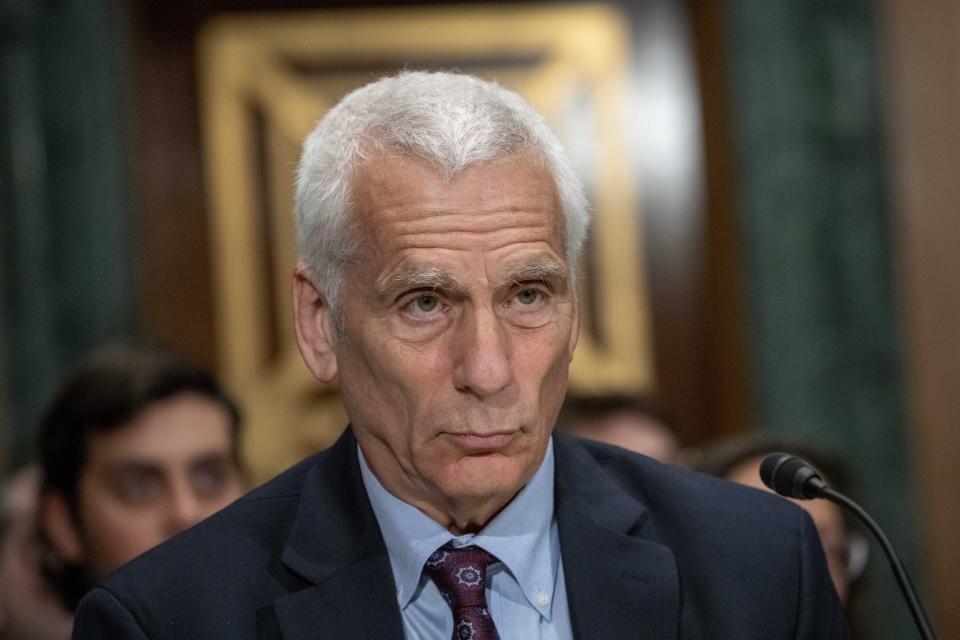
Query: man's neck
[[458, 515]]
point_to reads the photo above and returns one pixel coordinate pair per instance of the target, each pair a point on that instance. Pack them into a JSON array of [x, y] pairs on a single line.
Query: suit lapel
[[355, 603], [619, 584], [335, 544]]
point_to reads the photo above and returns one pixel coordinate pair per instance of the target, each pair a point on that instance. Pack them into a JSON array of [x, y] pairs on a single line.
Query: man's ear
[[61, 529], [314, 325]]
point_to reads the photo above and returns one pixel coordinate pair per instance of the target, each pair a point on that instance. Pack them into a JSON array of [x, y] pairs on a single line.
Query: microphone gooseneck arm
[[793, 477], [899, 571]]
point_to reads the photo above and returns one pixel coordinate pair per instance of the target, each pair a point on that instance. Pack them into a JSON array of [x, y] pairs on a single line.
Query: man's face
[[459, 324], [163, 472]]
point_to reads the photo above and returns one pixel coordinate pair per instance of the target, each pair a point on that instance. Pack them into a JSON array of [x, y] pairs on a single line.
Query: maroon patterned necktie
[[461, 576]]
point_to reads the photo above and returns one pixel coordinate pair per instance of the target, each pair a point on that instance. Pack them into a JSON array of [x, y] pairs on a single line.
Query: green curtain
[[814, 213], [65, 264]]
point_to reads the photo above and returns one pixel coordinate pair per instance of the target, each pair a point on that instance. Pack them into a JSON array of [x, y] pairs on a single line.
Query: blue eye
[[423, 305], [529, 296]]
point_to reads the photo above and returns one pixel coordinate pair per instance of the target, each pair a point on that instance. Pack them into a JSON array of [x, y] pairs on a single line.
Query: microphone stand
[[916, 609]]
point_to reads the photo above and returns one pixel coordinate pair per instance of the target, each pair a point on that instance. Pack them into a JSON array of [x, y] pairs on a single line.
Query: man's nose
[[483, 363], [184, 510]]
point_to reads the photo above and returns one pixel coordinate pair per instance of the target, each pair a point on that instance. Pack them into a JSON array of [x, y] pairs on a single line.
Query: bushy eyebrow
[[543, 269], [427, 278], [436, 279], [137, 465]]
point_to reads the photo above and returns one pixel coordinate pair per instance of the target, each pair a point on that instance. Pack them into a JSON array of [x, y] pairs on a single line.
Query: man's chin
[[487, 477]]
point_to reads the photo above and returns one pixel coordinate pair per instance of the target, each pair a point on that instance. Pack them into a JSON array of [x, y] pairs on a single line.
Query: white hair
[[447, 120]]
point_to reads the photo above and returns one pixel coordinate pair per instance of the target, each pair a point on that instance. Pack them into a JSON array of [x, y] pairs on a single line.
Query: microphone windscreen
[[769, 467], [789, 476]]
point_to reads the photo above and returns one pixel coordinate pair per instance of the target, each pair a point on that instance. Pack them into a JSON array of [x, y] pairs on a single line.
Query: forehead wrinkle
[[444, 219]]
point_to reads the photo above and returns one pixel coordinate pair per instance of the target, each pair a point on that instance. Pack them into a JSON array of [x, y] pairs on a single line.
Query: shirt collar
[[521, 536]]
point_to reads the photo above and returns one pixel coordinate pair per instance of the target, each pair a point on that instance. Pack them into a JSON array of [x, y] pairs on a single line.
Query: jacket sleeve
[[100, 615], [820, 615]]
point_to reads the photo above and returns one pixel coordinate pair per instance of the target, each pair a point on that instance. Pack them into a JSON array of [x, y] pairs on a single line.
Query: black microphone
[[793, 477]]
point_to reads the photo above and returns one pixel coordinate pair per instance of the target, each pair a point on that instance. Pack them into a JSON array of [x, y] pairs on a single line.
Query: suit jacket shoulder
[[649, 551], [712, 559], [276, 563], [200, 579]]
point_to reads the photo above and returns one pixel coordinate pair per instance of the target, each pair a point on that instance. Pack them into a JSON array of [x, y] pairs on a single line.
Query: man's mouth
[[483, 442]]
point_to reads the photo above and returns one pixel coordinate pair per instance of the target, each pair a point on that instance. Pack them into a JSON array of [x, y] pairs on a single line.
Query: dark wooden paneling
[[173, 245], [813, 209], [727, 379], [923, 69], [671, 183]]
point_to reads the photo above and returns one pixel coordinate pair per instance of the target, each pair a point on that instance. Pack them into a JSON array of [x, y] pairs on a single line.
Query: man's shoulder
[[636, 472], [259, 518], [713, 528], [275, 497], [743, 559], [678, 498], [226, 563]]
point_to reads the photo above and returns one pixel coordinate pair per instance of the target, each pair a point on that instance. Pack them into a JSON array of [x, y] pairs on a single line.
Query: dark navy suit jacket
[[649, 552]]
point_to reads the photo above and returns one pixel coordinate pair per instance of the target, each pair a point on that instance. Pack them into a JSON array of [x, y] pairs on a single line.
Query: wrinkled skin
[[459, 322]]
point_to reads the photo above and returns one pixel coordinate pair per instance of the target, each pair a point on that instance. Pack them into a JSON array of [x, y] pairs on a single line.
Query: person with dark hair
[[631, 421], [137, 446], [738, 460]]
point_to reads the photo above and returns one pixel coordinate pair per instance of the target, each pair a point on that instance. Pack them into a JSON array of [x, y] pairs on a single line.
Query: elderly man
[[438, 226]]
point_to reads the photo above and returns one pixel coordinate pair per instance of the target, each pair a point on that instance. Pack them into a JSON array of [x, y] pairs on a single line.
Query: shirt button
[[543, 598]]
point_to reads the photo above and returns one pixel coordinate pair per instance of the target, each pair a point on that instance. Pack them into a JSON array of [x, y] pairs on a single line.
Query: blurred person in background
[[633, 422], [29, 608], [738, 460], [136, 447]]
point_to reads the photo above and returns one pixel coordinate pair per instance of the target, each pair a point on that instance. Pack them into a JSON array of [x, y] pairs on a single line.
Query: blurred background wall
[[794, 192]]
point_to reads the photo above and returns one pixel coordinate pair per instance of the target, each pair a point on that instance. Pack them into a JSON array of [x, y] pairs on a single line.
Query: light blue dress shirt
[[526, 594]]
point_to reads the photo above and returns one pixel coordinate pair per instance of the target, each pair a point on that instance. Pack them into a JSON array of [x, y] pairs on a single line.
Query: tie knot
[[461, 577], [460, 574]]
